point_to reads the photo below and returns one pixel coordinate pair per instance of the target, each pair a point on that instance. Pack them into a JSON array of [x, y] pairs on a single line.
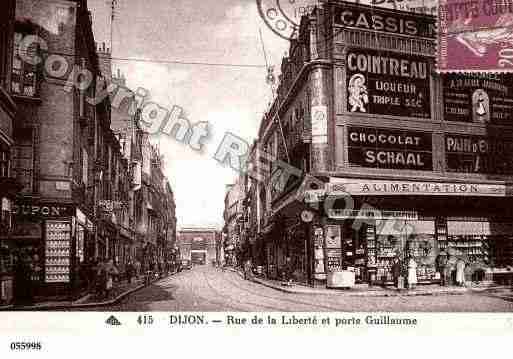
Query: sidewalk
[[119, 292], [360, 290]]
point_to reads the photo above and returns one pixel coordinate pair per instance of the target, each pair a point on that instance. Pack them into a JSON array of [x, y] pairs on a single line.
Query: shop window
[[23, 161], [24, 74]]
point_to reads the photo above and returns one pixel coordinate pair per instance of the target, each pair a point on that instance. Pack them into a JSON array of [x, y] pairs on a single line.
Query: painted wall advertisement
[[479, 98], [478, 154], [387, 148], [387, 83]]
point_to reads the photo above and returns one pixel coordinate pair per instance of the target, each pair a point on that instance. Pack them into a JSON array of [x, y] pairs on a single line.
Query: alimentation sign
[[392, 22], [392, 149], [388, 83], [479, 98]]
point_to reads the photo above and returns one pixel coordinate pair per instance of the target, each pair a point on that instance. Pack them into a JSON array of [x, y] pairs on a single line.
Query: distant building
[[199, 244]]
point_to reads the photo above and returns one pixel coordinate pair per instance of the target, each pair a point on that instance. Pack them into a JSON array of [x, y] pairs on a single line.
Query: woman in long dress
[[412, 273], [460, 272]]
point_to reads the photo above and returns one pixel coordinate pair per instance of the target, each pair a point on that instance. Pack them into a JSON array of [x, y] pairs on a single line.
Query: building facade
[[390, 158], [233, 215], [72, 192], [8, 185]]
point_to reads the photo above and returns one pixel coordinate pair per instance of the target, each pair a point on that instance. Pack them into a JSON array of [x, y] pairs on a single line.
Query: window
[[85, 166], [4, 163], [24, 75], [23, 160]]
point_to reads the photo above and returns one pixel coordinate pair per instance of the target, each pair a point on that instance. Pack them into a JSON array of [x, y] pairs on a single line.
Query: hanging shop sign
[[360, 186], [478, 154], [43, 210], [375, 19], [388, 83], [479, 98], [110, 206], [394, 149]]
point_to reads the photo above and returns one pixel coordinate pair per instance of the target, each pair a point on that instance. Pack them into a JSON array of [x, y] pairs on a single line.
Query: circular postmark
[[283, 16]]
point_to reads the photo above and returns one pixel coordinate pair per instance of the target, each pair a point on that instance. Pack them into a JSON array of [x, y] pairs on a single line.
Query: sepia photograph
[[263, 156]]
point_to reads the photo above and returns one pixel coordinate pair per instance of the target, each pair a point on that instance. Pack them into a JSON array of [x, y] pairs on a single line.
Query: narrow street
[[209, 289]]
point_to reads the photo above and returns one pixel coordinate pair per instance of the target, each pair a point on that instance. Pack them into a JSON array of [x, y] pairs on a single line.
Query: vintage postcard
[[335, 167]]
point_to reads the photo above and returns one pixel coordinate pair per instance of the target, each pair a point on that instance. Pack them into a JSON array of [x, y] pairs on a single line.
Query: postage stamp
[[475, 35]]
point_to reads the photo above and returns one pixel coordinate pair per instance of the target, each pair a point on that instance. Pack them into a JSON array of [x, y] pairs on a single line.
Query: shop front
[[42, 237], [366, 224], [8, 189]]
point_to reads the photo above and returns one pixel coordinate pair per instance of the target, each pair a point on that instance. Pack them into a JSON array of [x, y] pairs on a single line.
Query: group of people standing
[[446, 265]]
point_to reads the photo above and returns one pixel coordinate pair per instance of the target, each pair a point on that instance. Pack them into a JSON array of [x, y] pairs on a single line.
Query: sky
[[229, 98]]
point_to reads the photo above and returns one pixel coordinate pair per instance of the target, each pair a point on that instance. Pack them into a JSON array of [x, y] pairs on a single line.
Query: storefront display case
[[6, 274], [57, 256]]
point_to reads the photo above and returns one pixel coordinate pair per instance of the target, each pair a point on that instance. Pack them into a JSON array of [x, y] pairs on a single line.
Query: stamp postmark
[[475, 35], [283, 16]]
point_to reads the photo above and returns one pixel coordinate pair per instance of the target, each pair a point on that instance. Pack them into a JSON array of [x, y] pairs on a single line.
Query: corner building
[[406, 162]]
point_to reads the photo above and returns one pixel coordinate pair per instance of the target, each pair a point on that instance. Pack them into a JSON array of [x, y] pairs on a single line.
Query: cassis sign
[[373, 19]]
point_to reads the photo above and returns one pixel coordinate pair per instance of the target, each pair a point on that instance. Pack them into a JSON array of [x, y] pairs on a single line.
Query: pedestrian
[[396, 271], [101, 279], [441, 262], [130, 271], [92, 270], [288, 270], [111, 272], [412, 273], [22, 281], [451, 268], [460, 272], [247, 269], [137, 268]]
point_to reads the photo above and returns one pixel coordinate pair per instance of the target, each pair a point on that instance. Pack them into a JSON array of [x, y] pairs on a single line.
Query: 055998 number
[[26, 346]]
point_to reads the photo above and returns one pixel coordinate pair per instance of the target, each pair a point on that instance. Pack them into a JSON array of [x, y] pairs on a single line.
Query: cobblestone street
[[208, 289]]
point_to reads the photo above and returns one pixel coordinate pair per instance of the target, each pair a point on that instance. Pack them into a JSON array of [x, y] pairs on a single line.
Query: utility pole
[[113, 5]]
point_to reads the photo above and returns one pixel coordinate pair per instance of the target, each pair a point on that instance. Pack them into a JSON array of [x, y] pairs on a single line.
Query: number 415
[[145, 320]]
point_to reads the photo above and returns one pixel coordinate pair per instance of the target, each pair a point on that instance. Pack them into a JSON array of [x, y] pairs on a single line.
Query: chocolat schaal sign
[[392, 149]]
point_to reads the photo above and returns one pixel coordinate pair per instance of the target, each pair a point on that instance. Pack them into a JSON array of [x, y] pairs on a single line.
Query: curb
[[365, 294], [83, 305]]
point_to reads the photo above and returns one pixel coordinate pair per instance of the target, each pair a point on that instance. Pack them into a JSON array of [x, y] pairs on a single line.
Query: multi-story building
[[234, 222], [170, 249], [54, 137], [70, 176], [8, 185], [394, 159]]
